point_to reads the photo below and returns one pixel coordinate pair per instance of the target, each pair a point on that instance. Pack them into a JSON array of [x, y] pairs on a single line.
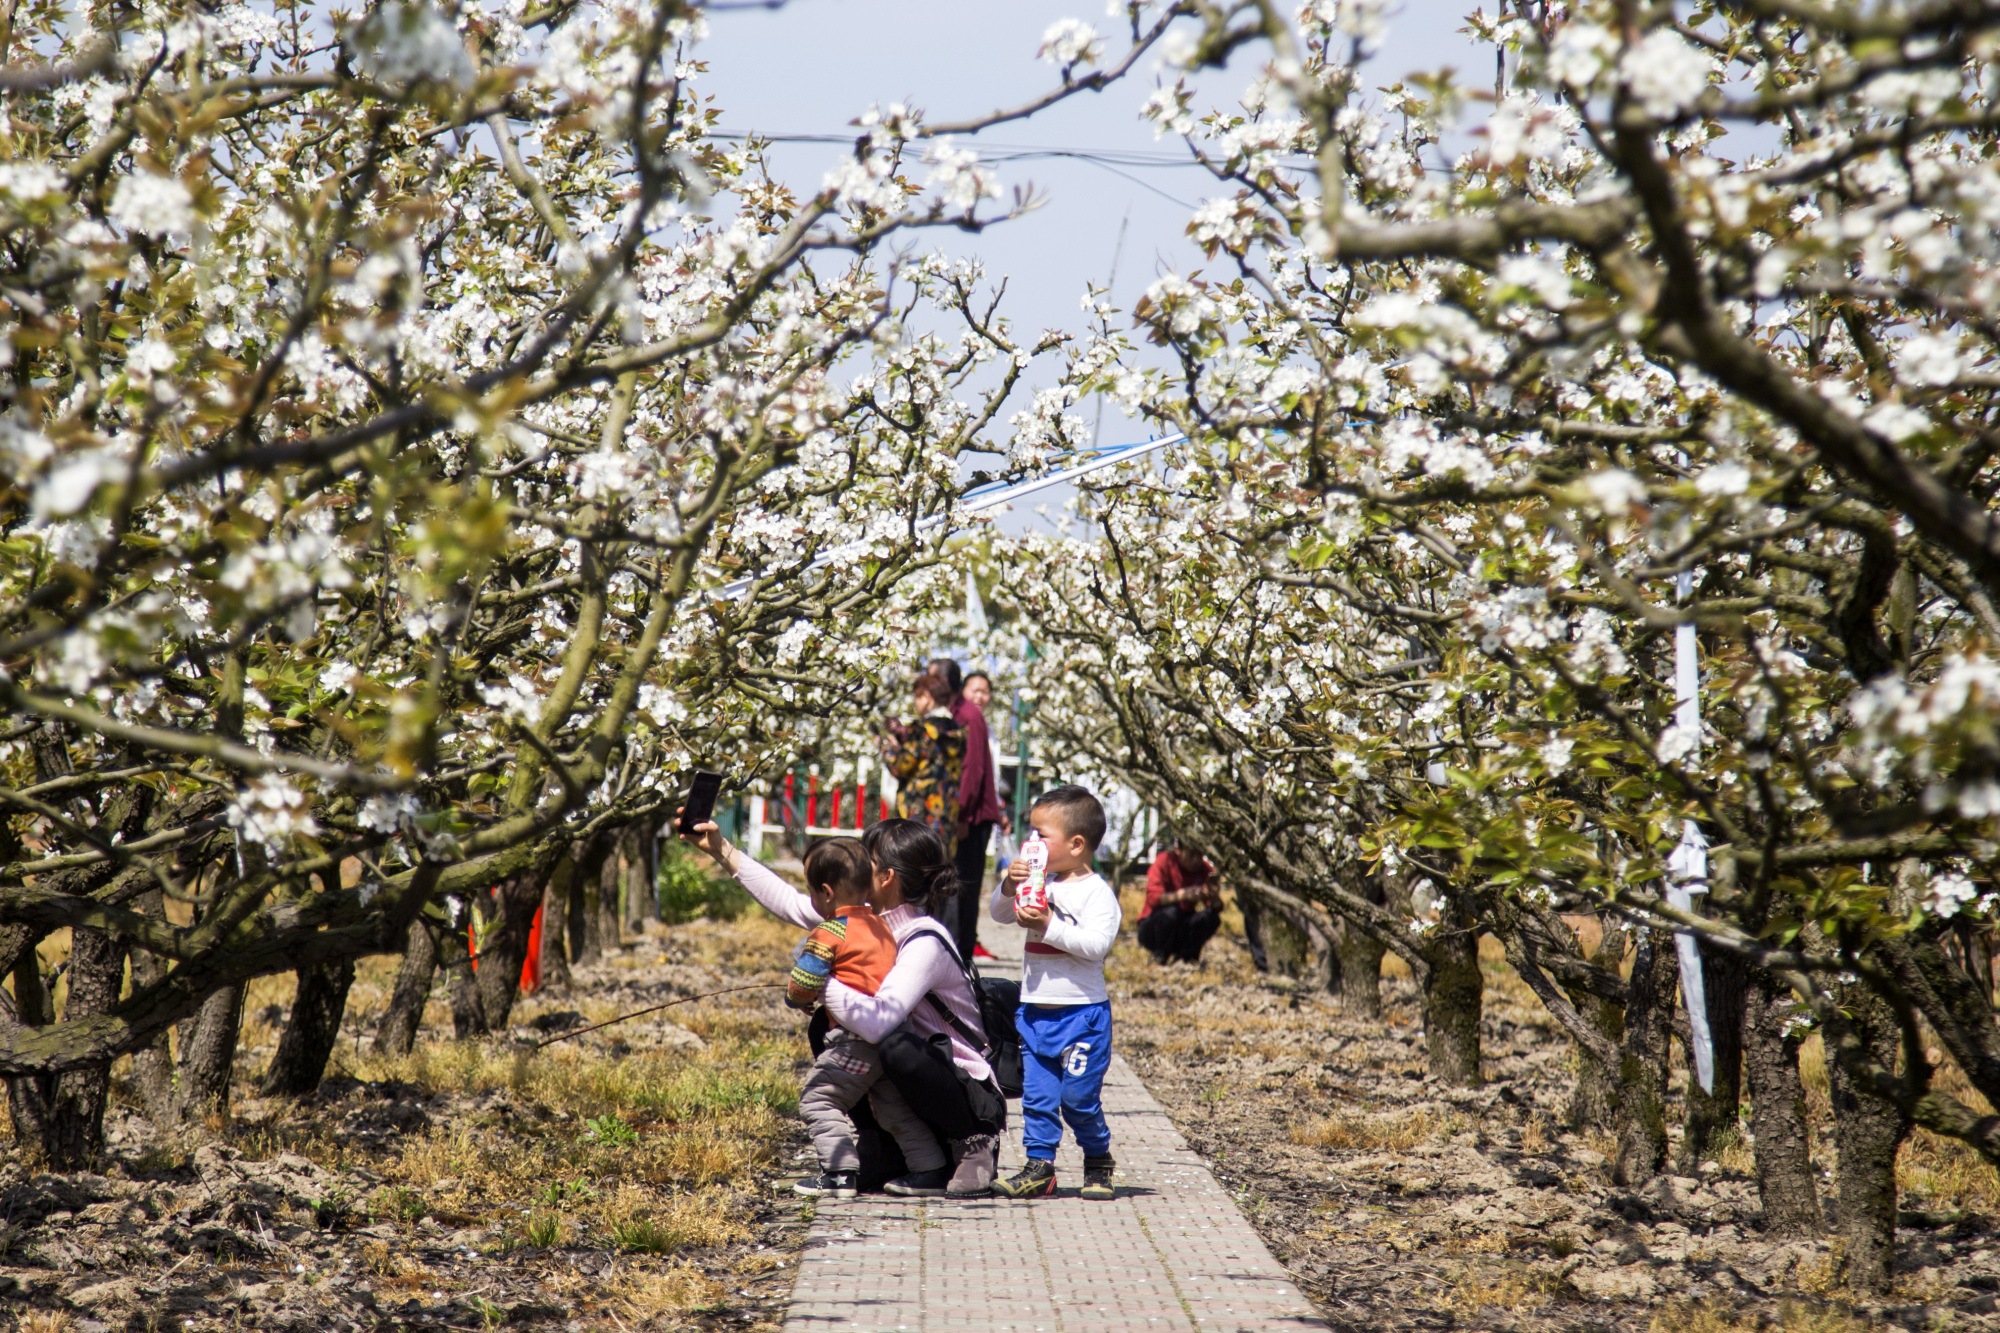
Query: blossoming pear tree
[[423, 445], [1690, 344]]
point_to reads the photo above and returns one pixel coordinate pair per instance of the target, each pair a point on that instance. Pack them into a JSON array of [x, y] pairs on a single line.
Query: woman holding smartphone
[[948, 1084]]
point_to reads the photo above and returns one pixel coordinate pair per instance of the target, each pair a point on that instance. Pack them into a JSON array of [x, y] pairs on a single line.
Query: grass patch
[[1792, 1317], [682, 1289], [638, 1222], [1391, 1133], [1514, 1287]]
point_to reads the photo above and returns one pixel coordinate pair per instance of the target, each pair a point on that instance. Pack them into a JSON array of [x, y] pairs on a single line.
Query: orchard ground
[[629, 1179]]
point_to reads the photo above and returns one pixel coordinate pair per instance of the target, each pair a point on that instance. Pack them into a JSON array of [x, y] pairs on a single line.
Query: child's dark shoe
[[830, 1185], [1036, 1180], [1097, 1178], [921, 1184]]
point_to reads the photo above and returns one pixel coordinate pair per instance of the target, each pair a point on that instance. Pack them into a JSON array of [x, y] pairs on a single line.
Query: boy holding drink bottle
[[1072, 918]]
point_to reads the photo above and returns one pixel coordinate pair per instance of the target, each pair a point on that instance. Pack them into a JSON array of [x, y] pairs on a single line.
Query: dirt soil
[[1398, 1203], [622, 1180], [632, 1178]]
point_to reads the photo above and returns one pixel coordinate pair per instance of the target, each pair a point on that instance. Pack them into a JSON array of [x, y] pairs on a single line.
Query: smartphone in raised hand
[[699, 807]]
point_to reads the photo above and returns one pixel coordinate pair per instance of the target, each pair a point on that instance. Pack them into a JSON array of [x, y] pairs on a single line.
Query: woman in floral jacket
[[926, 756]]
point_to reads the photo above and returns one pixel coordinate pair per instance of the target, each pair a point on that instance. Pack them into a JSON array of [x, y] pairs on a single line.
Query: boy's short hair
[[840, 864], [1081, 813]]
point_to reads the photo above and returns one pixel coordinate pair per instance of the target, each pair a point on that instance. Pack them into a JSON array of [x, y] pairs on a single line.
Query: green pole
[[1028, 654]]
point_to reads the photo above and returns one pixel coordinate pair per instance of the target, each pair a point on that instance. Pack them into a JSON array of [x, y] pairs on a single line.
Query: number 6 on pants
[[1066, 1051]]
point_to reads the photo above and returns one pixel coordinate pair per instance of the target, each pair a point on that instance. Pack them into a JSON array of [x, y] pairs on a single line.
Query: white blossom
[[152, 204], [1071, 41], [270, 811]]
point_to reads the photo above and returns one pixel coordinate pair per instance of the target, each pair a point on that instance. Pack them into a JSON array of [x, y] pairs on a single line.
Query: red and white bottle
[[1034, 890]]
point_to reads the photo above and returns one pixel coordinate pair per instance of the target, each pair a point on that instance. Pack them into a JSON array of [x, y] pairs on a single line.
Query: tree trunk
[[1778, 1112], [1642, 1074], [1712, 1114], [29, 1096], [610, 881], [593, 929], [580, 902], [311, 1032], [641, 899], [208, 1054], [503, 942], [555, 966], [468, 1015], [396, 1034], [153, 1065], [1593, 1102], [1867, 1131], [1454, 990], [1359, 955], [65, 1112]]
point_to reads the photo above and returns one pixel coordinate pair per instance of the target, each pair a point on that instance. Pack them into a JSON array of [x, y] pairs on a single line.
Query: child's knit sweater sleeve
[[814, 967]]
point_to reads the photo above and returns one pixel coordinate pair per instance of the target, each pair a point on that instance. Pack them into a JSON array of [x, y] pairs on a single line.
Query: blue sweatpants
[[1065, 1051]]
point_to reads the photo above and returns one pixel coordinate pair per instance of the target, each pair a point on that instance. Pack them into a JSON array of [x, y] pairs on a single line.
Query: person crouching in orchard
[[1183, 905], [853, 944], [1065, 1014]]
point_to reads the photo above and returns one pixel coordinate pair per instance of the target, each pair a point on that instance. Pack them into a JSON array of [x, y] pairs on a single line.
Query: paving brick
[[1171, 1254]]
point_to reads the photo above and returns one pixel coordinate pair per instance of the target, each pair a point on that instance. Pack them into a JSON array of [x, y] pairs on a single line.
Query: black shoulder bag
[[998, 1000]]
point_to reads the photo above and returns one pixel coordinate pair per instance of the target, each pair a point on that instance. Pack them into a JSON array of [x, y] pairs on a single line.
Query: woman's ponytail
[[917, 855]]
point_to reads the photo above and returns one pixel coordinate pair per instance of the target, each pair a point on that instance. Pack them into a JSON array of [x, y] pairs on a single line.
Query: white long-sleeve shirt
[[1063, 962], [925, 965]]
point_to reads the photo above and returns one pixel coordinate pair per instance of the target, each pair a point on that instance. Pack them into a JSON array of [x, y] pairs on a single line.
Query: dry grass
[[1391, 1133], [1729, 1150], [1514, 1287], [1791, 1317], [46, 1321], [680, 1290], [1946, 1173], [640, 1221]]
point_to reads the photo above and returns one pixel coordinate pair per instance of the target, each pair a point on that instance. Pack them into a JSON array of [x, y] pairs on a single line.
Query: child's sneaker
[[921, 1184], [1036, 1180], [830, 1185], [1097, 1178]]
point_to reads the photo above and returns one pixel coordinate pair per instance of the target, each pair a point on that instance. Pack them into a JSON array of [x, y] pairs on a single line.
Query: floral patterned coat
[[927, 762]]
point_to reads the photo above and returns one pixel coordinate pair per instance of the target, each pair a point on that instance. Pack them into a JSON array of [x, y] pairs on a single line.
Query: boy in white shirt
[[1065, 1014]]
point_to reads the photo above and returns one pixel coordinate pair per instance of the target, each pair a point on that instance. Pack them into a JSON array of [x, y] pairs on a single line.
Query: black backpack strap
[[973, 1039]]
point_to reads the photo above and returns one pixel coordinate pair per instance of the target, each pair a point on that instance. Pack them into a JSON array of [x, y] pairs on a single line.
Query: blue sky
[[812, 66]]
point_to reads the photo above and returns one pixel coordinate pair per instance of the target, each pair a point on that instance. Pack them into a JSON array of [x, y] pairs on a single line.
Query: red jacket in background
[[978, 790], [1168, 875]]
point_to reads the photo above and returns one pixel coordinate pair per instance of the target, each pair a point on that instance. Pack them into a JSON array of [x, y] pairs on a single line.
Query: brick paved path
[[1170, 1253]]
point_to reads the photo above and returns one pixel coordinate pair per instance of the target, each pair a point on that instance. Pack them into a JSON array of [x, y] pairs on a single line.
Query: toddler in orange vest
[[852, 944]]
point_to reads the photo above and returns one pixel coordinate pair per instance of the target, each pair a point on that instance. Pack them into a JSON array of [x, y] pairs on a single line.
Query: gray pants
[[846, 1071]]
